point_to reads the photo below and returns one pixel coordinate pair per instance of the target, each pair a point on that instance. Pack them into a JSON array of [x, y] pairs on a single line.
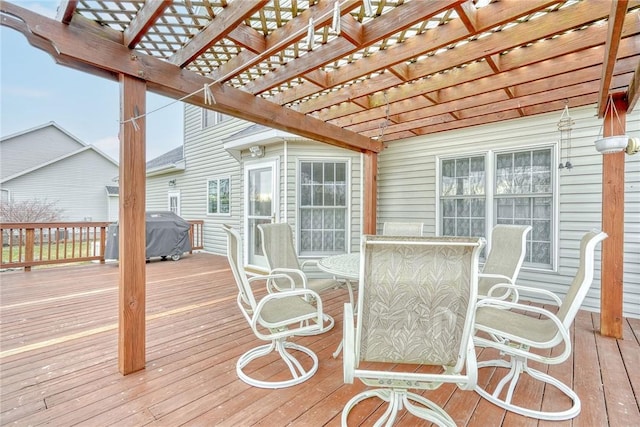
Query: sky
[[34, 90]]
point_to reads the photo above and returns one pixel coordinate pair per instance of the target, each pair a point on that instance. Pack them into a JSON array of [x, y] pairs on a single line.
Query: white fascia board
[[164, 169], [270, 136]]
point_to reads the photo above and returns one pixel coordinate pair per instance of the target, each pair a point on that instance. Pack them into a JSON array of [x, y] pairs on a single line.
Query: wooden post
[[370, 196], [132, 240], [103, 242], [28, 247], [612, 265]]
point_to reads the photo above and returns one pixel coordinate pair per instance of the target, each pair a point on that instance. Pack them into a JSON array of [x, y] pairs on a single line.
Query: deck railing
[[31, 244]]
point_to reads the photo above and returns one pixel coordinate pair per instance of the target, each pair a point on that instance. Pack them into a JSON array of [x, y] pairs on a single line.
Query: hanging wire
[[565, 125], [610, 106], [385, 124]]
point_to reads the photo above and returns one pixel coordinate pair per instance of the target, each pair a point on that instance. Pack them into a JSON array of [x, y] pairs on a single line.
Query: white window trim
[[219, 118], [217, 214], [348, 162], [176, 194], [490, 156]]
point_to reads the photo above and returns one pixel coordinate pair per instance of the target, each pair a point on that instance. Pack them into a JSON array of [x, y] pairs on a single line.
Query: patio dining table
[[346, 267]]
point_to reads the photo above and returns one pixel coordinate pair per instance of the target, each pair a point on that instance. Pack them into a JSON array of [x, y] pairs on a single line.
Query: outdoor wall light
[[256, 151], [172, 183]]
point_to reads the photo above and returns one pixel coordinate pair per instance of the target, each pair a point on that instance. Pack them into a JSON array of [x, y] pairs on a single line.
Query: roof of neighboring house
[[42, 126], [167, 158], [66, 156], [171, 161], [82, 147], [250, 130]]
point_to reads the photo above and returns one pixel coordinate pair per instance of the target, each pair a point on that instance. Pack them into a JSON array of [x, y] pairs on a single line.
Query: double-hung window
[[218, 196], [322, 207], [517, 190], [211, 118]]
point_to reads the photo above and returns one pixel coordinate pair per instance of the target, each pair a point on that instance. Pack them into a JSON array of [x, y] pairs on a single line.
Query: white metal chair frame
[[514, 333], [503, 262], [283, 259], [280, 314], [393, 386]]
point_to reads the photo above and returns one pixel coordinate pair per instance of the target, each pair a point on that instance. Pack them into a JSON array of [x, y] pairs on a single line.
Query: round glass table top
[[344, 265]]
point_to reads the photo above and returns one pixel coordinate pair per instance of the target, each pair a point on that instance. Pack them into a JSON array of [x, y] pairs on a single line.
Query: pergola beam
[[98, 54], [634, 89], [614, 32]]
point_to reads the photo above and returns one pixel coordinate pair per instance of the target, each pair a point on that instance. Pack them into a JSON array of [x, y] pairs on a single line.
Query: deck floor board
[[58, 349]]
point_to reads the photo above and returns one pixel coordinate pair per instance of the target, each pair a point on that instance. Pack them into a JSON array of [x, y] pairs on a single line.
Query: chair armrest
[[309, 263], [269, 278], [502, 338], [504, 286], [519, 288], [289, 272], [283, 332], [348, 350]]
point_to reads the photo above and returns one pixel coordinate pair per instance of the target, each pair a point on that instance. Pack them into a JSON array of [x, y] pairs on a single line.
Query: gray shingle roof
[[167, 158]]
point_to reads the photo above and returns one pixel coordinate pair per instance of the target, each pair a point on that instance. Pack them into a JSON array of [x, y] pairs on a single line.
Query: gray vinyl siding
[[314, 151], [205, 158], [75, 184], [31, 149], [407, 190]]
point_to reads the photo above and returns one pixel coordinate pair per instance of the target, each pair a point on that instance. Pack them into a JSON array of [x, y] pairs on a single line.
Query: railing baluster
[[21, 240]]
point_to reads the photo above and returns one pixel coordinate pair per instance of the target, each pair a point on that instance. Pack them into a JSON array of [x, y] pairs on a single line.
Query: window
[[463, 197], [211, 118], [218, 196], [174, 202], [323, 207], [522, 193]]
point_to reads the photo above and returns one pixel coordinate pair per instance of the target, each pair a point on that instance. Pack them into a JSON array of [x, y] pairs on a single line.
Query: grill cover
[[166, 235]]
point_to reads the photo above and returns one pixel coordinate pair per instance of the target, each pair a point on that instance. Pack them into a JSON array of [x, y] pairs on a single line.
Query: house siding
[[31, 149], [75, 184], [407, 190], [205, 158], [310, 150]]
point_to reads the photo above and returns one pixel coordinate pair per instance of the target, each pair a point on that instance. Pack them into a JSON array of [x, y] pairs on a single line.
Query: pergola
[[355, 74]]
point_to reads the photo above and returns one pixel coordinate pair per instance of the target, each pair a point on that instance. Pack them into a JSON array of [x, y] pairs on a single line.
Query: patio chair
[[416, 307], [503, 263], [274, 317], [523, 332], [402, 229], [278, 248]]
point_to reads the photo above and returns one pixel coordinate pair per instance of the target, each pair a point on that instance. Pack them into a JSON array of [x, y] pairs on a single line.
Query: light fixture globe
[[612, 144]]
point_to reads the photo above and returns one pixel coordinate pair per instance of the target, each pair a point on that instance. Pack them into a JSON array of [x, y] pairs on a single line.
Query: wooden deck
[[59, 359]]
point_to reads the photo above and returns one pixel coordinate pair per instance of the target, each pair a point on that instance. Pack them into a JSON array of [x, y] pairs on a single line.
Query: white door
[[261, 206]]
